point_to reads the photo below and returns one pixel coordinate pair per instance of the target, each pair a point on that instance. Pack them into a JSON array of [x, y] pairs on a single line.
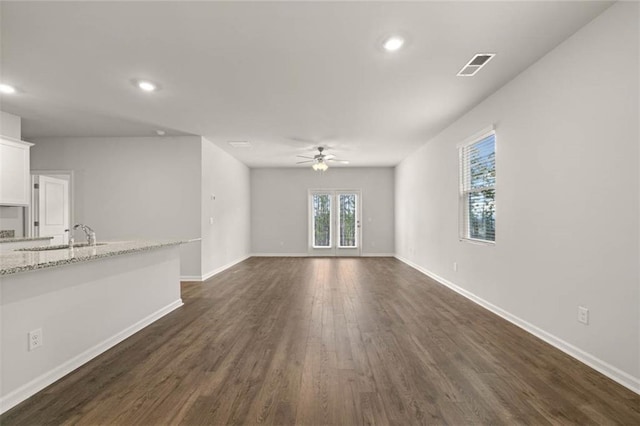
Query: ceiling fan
[[320, 160]]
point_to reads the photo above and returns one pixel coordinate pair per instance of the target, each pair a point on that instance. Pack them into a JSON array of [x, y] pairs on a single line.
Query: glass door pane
[[321, 220], [348, 221]]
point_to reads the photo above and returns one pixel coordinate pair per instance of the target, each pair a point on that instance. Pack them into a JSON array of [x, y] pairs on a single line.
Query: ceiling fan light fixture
[[320, 166]]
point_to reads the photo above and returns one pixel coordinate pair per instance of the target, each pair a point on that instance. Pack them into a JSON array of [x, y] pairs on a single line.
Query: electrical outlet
[[210, 221], [35, 339], [455, 266], [583, 315]]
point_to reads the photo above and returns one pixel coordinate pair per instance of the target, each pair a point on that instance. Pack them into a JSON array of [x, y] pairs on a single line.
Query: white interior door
[[53, 209], [334, 223]]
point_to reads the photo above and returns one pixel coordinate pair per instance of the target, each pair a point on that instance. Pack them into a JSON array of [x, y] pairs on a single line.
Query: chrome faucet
[[90, 234]]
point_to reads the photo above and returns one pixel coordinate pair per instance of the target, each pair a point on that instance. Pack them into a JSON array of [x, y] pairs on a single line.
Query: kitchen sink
[[60, 247]]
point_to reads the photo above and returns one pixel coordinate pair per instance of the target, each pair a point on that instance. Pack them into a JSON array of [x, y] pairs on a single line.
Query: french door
[[334, 223]]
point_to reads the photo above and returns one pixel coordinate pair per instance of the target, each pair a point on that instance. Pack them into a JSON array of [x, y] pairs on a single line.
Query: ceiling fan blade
[[335, 160], [329, 156], [307, 161], [305, 156]]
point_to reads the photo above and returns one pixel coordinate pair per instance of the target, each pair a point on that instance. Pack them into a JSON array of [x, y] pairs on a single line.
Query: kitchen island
[[80, 302]]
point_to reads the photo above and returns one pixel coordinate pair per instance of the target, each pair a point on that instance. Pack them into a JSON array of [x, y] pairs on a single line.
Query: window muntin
[[477, 189]]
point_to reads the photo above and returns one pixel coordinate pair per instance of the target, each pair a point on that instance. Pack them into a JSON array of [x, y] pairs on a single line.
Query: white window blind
[[478, 188]]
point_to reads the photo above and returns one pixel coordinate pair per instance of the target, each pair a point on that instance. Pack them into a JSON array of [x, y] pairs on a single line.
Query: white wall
[[128, 188], [226, 240], [279, 207], [568, 204], [10, 125]]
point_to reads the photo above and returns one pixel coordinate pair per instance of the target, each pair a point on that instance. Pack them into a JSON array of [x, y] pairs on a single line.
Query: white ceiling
[[285, 76]]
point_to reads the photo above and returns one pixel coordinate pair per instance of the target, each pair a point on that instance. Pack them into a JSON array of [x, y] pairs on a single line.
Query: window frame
[[464, 232]]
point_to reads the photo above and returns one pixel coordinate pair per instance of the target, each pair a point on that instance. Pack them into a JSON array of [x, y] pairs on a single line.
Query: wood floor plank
[[371, 341]]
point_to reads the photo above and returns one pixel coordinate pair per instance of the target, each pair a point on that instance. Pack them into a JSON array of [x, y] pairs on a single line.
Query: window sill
[[478, 242]]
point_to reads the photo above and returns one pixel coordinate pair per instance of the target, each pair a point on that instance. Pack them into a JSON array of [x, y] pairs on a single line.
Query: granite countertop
[[21, 261], [19, 239]]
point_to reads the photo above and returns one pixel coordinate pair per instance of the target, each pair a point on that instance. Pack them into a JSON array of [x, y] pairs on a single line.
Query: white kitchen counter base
[[83, 308]]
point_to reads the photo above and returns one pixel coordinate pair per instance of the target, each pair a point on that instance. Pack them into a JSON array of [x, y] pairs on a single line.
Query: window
[[478, 188]]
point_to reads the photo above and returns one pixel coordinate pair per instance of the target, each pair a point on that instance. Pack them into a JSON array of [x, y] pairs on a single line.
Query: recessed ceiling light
[[147, 86], [6, 89], [393, 43], [160, 132]]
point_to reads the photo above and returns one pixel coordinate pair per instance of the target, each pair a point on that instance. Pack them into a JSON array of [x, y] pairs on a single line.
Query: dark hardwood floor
[[329, 341]]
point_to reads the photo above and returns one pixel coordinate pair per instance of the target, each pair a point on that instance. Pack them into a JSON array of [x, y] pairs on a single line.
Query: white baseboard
[[25, 391], [614, 373], [190, 277], [212, 273], [279, 254], [307, 255], [222, 268]]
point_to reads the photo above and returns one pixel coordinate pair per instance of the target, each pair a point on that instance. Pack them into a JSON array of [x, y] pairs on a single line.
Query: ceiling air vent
[[240, 144], [474, 65]]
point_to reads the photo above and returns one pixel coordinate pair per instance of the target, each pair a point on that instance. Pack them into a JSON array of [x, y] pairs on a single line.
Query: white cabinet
[[14, 172]]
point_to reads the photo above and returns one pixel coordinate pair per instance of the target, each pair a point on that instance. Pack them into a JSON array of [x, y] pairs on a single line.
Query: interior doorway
[[51, 212], [334, 223]]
